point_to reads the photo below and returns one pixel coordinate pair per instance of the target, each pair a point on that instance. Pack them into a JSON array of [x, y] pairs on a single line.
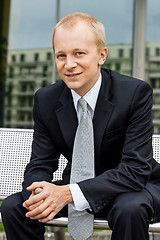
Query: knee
[[11, 204], [129, 209]]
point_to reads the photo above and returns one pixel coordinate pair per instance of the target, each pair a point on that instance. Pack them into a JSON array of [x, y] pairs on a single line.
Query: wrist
[[67, 193]]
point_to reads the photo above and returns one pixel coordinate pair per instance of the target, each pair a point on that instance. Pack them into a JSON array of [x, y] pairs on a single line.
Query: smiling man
[[124, 186], [78, 59]]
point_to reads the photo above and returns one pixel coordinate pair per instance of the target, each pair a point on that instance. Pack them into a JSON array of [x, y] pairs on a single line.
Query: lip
[[73, 75]]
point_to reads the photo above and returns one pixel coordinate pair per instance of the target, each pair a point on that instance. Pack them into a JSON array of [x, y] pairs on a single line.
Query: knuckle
[[39, 209], [49, 218], [43, 215]]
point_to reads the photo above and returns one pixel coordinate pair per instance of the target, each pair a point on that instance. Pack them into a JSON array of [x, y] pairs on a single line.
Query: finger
[[43, 214], [24, 203], [51, 214], [33, 206], [35, 185], [36, 211], [35, 199], [49, 217], [37, 190]]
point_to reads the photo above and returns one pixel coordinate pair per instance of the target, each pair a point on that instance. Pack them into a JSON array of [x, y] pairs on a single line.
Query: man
[[125, 189]]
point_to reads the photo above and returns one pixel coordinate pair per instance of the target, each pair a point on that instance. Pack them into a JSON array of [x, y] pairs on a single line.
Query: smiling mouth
[[73, 75]]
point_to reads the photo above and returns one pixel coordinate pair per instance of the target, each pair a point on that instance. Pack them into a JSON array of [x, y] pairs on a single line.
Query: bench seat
[[15, 150]]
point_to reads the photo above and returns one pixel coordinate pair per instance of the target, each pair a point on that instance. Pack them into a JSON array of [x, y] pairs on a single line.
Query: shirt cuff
[[80, 202]]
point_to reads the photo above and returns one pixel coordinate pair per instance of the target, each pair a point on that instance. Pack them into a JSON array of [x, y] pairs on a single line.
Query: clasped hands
[[46, 200]]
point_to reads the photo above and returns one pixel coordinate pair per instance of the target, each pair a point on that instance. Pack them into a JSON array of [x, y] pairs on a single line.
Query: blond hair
[[96, 27]]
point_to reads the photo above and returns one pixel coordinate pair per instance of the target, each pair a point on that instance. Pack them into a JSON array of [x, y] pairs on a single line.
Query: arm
[[134, 169], [44, 157], [42, 199]]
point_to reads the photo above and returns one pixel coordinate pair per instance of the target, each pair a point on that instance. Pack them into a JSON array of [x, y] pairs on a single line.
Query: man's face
[[77, 58]]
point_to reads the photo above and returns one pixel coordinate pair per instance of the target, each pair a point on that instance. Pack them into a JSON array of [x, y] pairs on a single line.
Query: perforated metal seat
[[15, 150]]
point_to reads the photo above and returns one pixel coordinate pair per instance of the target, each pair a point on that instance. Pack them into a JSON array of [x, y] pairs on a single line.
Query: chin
[[72, 86]]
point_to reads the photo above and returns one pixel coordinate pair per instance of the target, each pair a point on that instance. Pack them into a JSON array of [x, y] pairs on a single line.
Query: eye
[[79, 53], [61, 55]]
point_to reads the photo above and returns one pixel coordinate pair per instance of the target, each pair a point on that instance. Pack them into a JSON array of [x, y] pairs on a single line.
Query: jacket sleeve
[[133, 171], [44, 156]]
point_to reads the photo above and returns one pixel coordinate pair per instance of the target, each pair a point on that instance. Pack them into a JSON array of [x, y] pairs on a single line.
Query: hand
[[46, 200], [33, 206]]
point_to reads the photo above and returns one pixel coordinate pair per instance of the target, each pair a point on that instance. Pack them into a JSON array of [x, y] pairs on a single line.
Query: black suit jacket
[[122, 136]]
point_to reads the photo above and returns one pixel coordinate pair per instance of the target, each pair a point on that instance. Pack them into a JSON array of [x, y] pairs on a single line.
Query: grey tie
[[80, 223]]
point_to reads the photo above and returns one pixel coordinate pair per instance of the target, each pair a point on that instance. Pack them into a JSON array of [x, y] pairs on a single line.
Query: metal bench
[[15, 150]]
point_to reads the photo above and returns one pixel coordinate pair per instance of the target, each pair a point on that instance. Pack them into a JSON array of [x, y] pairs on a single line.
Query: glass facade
[[153, 57], [30, 62]]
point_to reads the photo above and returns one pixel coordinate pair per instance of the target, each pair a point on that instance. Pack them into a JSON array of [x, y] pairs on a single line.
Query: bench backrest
[[15, 150]]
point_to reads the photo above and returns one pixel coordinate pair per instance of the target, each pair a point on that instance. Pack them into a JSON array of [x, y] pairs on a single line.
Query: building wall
[[29, 70]]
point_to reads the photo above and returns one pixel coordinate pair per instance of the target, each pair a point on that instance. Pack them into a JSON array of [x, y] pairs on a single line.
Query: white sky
[[32, 21]]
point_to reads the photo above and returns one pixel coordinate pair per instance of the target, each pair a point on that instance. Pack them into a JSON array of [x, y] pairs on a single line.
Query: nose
[[70, 63]]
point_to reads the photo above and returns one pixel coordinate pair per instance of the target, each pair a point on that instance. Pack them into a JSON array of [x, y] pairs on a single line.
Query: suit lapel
[[103, 112], [67, 117]]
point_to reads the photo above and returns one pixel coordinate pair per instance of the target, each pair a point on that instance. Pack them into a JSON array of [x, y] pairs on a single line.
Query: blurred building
[[29, 70], [119, 59]]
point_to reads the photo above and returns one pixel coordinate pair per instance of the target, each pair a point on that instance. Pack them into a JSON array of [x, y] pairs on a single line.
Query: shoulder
[[53, 89], [48, 96], [123, 82], [52, 93]]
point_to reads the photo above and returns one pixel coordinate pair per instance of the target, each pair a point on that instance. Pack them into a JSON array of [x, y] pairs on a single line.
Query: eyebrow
[[73, 50]]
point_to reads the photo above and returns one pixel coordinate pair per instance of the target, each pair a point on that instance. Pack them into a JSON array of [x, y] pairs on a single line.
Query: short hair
[[95, 25]]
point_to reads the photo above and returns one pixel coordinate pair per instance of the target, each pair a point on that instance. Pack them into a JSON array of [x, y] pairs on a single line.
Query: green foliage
[[1, 227]]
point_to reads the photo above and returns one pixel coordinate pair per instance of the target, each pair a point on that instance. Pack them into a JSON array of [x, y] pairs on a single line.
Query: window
[[121, 53], [22, 101], [8, 116], [29, 116], [11, 72], [157, 51], [44, 83], [23, 87], [153, 82], [147, 52], [118, 66], [30, 101], [31, 86], [13, 58], [21, 116], [9, 101], [49, 56], [22, 57], [45, 68], [36, 57], [10, 87]]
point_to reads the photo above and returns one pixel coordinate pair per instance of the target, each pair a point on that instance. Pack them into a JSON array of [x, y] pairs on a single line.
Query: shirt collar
[[90, 97]]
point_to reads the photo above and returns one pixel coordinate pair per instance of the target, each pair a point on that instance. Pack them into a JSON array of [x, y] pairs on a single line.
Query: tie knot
[[82, 102]]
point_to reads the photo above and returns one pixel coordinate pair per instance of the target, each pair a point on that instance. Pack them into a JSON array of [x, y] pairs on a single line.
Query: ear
[[103, 56]]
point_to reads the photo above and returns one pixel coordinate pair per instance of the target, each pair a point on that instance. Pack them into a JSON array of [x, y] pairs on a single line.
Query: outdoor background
[[29, 57]]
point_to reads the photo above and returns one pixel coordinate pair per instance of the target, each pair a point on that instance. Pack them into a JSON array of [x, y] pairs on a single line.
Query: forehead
[[77, 35]]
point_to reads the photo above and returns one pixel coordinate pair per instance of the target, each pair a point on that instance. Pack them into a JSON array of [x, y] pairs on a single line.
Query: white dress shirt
[[80, 202]]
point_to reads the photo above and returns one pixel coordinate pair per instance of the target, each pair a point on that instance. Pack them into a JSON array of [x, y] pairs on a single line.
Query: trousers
[[128, 216]]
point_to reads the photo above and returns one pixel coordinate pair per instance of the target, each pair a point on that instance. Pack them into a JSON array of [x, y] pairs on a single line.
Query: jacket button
[[98, 207]]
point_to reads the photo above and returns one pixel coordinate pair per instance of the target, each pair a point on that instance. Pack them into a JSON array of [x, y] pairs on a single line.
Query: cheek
[[59, 67]]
